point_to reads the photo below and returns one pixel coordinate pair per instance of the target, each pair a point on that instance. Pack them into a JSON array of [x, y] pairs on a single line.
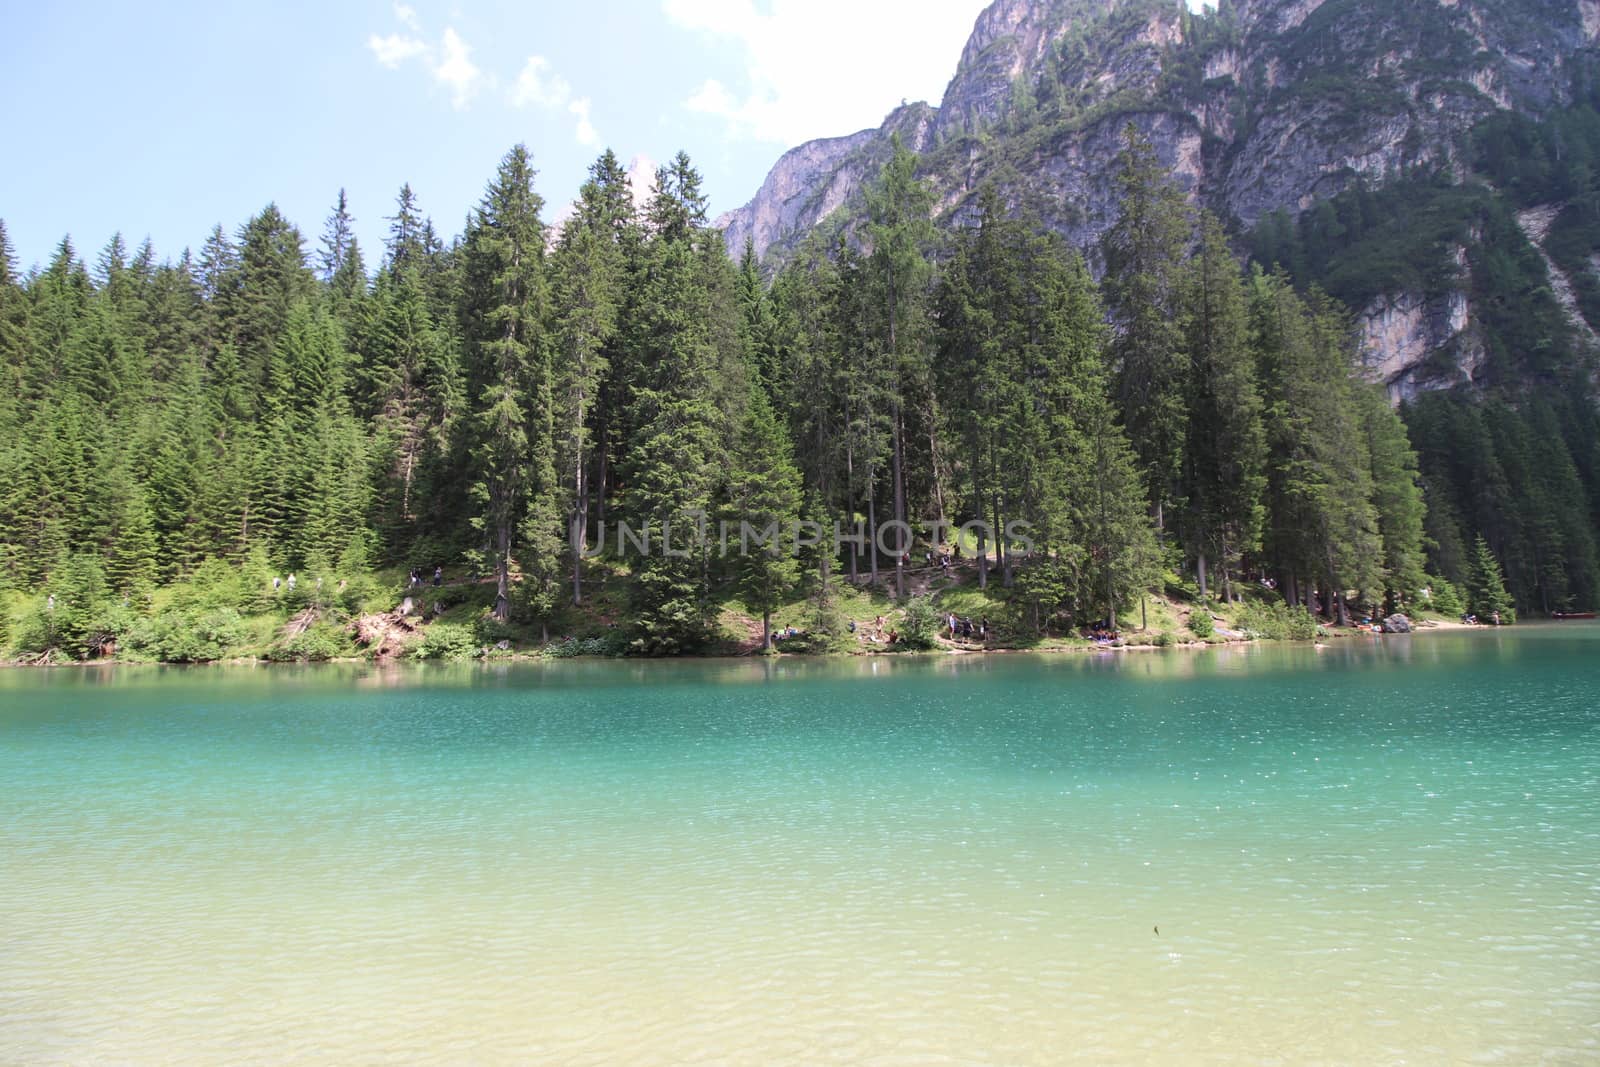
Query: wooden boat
[[1573, 616]]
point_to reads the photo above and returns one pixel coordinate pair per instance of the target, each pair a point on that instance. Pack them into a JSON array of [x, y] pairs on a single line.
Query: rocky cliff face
[[1266, 105]]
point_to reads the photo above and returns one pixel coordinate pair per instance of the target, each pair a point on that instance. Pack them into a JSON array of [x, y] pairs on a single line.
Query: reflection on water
[[1378, 851]]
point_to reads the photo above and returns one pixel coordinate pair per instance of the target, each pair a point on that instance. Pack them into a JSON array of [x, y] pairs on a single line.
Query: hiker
[[438, 577], [416, 579], [983, 628], [291, 583], [277, 583], [50, 602]]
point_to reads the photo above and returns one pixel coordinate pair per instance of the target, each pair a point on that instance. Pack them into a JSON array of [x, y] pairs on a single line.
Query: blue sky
[[164, 123]]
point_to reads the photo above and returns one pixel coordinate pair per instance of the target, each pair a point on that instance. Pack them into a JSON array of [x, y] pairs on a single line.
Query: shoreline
[[539, 657]]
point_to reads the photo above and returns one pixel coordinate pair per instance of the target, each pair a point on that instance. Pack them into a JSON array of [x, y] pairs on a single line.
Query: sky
[[164, 123]]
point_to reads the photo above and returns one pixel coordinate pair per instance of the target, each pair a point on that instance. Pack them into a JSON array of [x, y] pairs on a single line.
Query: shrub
[[920, 630], [1165, 639], [1446, 599], [447, 641], [1279, 622], [198, 636], [613, 644], [1201, 624], [1301, 625], [317, 645]]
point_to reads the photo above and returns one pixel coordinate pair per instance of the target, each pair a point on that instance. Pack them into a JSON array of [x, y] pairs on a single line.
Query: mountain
[[1258, 108]]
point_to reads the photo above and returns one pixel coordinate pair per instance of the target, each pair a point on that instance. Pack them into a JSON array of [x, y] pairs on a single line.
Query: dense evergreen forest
[[1515, 457], [487, 404]]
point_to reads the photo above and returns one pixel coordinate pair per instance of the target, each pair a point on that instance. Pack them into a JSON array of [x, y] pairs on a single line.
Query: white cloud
[[806, 79], [395, 49], [538, 86], [457, 71], [541, 87], [587, 135], [449, 64]]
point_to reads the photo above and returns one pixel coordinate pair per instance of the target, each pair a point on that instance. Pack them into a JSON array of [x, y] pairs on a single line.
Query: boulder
[[1397, 624]]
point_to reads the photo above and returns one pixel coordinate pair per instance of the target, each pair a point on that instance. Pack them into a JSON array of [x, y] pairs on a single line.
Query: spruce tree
[[342, 268], [512, 449], [587, 280], [1225, 452], [1486, 588], [899, 231], [677, 434], [1144, 253], [764, 495]]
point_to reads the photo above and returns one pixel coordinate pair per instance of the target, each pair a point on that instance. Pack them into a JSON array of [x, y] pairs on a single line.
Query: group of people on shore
[[1102, 632], [878, 635], [965, 629]]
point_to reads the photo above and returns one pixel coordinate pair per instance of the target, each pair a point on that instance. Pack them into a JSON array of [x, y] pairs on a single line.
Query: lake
[[1384, 851]]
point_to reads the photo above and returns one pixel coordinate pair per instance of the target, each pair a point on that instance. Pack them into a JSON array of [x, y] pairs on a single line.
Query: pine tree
[[675, 321], [411, 391], [1486, 588], [587, 279], [764, 495], [408, 232], [899, 231], [343, 270], [1225, 451], [509, 374], [1144, 254], [1396, 497]]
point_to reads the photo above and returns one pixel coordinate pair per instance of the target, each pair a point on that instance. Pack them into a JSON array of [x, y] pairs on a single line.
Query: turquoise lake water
[[1380, 852]]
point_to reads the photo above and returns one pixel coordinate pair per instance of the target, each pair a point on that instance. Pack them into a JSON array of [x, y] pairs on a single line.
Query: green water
[[1374, 853]]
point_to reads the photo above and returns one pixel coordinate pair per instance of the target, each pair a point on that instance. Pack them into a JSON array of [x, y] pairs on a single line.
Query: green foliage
[[920, 628], [1164, 639], [319, 644], [1200, 622], [1446, 599], [447, 641], [1279, 622], [1486, 588], [212, 424], [194, 635], [1144, 255], [611, 645]]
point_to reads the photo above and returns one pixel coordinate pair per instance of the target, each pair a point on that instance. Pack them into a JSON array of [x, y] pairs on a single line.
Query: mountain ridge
[[1258, 107]]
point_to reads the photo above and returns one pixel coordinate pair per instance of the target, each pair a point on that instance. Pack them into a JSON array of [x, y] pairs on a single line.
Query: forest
[[490, 404]]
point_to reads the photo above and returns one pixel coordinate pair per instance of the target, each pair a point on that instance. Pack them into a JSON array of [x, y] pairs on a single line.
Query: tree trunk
[[600, 479], [1200, 569], [580, 528], [1002, 555], [899, 500], [983, 560], [872, 530], [502, 573]]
